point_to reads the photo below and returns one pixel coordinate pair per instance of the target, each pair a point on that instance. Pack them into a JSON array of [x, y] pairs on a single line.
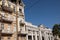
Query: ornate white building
[[40, 32], [26, 30]]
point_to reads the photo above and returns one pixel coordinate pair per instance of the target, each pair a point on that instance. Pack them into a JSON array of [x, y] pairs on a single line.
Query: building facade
[[13, 25], [8, 13], [40, 32]]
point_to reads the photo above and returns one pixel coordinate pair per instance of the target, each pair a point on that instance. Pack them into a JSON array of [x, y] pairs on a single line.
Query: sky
[[45, 12]]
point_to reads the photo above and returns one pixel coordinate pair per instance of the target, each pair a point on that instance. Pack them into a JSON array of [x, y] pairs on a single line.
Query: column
[[45, 36], [35, 35], [40, 35], [27, 37], [50, 36], [32, 35]]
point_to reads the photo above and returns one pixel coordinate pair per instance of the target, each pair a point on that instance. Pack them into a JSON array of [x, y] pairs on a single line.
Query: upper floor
[[10, 6], [35, 30]]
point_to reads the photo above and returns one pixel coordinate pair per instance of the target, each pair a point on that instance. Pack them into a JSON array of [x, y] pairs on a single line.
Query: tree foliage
[[56, 30]]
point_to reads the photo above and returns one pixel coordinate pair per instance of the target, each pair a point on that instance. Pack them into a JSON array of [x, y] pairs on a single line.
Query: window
[[29, 38], [48, 33], [14, 37], [8, 38], [3, 2], [2, 38], [34, 37], [42, 38], [14, 18], [49, 38], [33, 32], [37, 32], [20, 1], [2, 26], [14, 28], [14, 9], [3, 14], [9, 16], [20, 10], [29, 31], [22, 25], [9, 27], [37, 37]]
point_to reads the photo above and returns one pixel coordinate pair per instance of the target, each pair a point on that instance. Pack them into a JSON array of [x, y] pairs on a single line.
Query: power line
[[33, 4]]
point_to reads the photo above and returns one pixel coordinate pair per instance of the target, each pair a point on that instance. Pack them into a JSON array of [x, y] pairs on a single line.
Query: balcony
[[7, 19], [6, 32], [22, 22], [21, 14], [23, 31], [6, 8], [29, 32]]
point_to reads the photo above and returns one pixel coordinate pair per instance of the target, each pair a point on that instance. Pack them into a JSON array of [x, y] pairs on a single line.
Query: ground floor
[[23, 37], [12, 37], [33, 38]]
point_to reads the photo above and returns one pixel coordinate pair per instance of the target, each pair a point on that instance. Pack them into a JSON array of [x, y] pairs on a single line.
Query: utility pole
[[16, 20]]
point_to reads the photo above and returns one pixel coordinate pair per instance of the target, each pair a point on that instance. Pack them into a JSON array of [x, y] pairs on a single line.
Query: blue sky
[[45, 12]]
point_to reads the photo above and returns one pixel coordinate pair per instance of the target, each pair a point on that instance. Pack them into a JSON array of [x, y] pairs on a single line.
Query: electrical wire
[[33, 4]]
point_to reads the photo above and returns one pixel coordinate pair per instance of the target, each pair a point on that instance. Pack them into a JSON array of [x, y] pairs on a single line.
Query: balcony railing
[[6, 31], [22, 22], [3, 18], [23, 31], [30, 32], [21, 14], [7, 19]]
